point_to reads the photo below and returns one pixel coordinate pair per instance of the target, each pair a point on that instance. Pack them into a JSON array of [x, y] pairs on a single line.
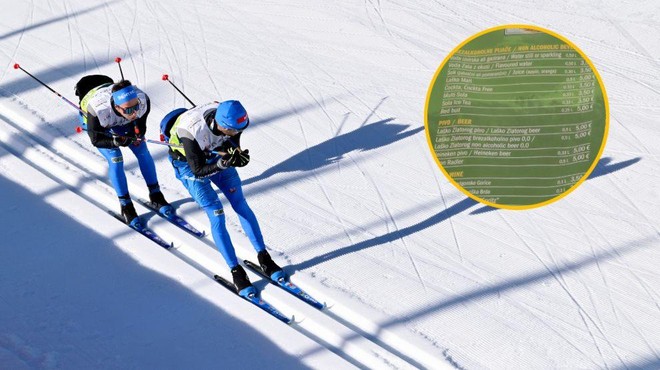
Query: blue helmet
[[231, 115]]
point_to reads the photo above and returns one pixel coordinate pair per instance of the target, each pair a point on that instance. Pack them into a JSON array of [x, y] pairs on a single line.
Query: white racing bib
[[99, 106], [193, 126]]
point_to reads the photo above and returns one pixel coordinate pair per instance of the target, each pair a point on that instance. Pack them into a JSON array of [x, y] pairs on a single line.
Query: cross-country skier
[[116, 116], [206, 149]]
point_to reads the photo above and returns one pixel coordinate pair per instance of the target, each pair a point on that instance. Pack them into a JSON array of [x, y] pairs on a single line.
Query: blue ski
[[286, 285], [174, 218], [144, 231], [254, 299]]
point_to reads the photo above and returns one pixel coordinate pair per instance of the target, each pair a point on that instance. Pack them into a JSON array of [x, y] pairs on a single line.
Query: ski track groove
[[178, 20], [68, 27], [107, 27], [634, 205], [367, 177], [164, 31], [634, 275], [586, 288], [628, 37], [584, 220], [28, 20], [83, 44], [385, 208], [391, 218], [642, 336], [562, 283], [637, 139], [559, 333], [118, 24], [444, 203], [590, 241], [605, 68], [316, 177], [392, 37], [322, 70], [204, 56], [601, 328], [586, 317]]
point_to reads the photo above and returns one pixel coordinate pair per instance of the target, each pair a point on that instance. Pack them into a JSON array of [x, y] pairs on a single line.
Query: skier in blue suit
[[206, 149], [116, 116]]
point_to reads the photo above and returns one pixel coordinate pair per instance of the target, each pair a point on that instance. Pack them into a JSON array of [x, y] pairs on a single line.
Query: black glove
[[241, 159], [121, 140], [234, 158]]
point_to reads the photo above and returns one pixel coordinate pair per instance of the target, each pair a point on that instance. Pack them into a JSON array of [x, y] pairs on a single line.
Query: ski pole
[[118, 60], [80, 129], [167, 78], [17, 66]]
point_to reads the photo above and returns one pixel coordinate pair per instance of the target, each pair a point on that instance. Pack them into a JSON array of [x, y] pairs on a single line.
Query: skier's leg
[[202, 192], [148, 170], [146, 162], [116, 170], [119, 183], [230, 184]]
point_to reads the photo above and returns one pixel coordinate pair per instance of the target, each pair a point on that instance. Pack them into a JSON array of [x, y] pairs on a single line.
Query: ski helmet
[[231, 115]]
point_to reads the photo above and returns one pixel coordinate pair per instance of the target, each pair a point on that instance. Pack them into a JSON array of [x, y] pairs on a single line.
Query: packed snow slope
[[343, 183]]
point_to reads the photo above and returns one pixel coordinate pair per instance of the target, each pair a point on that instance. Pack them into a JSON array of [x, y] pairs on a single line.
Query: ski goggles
[[130, 110], [227, 131]]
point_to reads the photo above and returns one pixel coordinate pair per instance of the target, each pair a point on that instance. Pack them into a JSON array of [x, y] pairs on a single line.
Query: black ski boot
[[243, 285], [269, 267], [130, 215], [158, 202]]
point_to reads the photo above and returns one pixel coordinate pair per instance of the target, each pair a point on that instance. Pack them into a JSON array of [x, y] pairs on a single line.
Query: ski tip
[[293, 320]]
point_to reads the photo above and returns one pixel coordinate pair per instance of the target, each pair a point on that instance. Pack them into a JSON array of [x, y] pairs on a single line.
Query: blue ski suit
[[195, 166], [103, 122]]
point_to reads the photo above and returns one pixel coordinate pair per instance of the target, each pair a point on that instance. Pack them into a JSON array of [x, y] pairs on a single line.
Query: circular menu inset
[[516, 117]]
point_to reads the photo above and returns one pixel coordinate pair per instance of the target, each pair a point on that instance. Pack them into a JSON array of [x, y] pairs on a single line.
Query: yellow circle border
[[605, 132]]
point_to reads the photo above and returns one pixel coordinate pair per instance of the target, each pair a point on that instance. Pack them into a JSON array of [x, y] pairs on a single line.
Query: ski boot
[[130, 215], [157, 199], [270, 268], [243, 285]]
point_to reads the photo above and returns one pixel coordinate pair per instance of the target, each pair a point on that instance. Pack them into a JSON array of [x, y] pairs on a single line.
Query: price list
[[518, 123]]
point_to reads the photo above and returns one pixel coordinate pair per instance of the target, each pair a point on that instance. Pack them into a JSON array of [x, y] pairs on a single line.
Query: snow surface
[[344, 186]]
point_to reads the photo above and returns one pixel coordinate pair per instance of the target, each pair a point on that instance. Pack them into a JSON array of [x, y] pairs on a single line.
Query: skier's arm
[[96, 133], [197, 159]]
